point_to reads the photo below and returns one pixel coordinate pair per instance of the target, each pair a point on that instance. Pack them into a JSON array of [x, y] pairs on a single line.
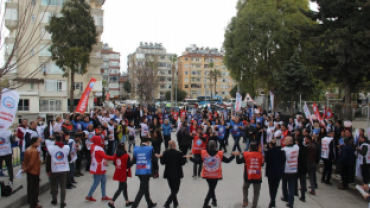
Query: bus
[[205, 100]]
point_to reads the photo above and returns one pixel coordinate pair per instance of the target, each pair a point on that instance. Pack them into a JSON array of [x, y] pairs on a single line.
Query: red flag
[[107, 96], [328, 114], [84, 100], [316, 111]]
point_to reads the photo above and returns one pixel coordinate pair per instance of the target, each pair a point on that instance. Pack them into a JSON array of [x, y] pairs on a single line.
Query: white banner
[[272, 96], [8, 108], [307, 112], [238, 103]]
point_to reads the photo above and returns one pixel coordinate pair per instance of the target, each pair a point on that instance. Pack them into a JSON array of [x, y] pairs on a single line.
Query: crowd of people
[[290, 149]]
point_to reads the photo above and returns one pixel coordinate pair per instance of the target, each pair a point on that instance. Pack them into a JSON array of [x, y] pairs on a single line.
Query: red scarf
[[60, 144]]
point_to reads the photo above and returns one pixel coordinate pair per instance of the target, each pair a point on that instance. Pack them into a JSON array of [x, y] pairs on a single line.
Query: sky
[[176, 24]]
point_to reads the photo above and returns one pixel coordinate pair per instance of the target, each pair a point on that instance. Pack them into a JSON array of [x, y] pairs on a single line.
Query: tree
[[173, 59], [73, 36], [213, 75], [293, 80], [261, 37], [144, 72], [181, 95], [19, 47], [341, 41], [127, 87]]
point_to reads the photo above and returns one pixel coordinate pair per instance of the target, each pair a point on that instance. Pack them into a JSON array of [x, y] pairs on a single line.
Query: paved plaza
[[193, 191]]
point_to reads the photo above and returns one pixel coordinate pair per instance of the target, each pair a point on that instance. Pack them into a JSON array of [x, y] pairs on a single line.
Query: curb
[[22, 200]]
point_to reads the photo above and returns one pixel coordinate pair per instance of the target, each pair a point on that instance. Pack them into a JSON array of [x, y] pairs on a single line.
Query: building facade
[[123, 94], [111, 71], [194, 69], [44, 90], [150, 66]]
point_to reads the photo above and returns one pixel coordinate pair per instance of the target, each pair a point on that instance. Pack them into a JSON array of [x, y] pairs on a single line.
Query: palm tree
[[173, 59], [213, 75]]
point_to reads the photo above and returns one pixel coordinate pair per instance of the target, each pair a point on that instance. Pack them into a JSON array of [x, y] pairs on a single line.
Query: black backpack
[[6, 190]]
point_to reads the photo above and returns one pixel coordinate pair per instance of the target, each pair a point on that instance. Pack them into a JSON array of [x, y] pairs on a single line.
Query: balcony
[[99, 29], [11, 15], [98, 46], [96, 60]]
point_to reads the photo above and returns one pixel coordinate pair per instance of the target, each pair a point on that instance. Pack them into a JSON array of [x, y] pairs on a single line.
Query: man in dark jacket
[[274, 169], [173, 160], [311, 162], [253, 161], [302, 169], [363, 151], [183, 137], [346, 160]]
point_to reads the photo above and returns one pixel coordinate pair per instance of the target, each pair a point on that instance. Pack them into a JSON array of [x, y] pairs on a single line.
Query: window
[[162, 57], [113, 56], [162, 64], [186, 59], [193, 73], [186, 72], [44, 50], [169, 66], [169, 86], [169, 72], [78, 86], [31, 87], [52, 2], [50, 105], [33, 3], [169, 79], [140, 56], [216, 67], [45, 34], [113, 78], [33, 18], [51, 68], [223, 67], [186, 80], [24, 105], [196, 59], [186, 65], [55, 85], [114, 63], [186, 86], [32, 52], [105, 64]]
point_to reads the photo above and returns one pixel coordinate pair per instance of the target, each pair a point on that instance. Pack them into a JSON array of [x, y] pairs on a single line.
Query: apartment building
[[45, 90], [194, 69], [123, 78], [155, 53], [111, 70]]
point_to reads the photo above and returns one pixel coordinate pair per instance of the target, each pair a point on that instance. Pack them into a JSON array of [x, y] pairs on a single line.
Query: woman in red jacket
[[98, 167], [123, 164]]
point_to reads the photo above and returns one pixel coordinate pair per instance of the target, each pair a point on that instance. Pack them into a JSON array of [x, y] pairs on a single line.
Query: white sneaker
[[10, 184]]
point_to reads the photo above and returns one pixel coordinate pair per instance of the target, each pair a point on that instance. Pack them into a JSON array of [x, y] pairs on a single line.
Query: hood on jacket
[[97, 140], [120, 152]]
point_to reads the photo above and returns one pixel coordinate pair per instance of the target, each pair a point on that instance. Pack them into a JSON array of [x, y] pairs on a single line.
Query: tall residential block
[[194, 69], [137, 61], [111, 71], [45, 91]]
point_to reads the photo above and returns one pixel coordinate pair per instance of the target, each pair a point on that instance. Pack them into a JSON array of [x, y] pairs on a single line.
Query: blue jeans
[[97, 180], [123, 139], [236, 144], [288, 190], [246, 144], [226, 137]]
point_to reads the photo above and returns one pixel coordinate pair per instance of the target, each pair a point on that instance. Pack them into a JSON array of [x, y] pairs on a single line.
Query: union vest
[[291, 164], [95, 166], [367, 155], [5, 144], [221, 131], [144, 130], [198, 145], [88, 141], [212, 166], [59, 158], [253, 163], [325, 147], [175, 116], [143, 155]]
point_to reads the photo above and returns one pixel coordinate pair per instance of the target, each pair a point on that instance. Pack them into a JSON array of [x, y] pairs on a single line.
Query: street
[[193, 191]]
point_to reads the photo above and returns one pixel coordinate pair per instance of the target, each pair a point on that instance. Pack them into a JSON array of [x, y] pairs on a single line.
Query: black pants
[[345, 174], [167, 138], [9, 166], [32, 189], [143, 190], [273, 188], [303, 184], [184, 149], [197, 168], [79, 161], [58, 180], [122, 187], [110, 150], [222, 144], [328, 168], [88, 160], [212, 183], [365, 173], [174, 185]]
